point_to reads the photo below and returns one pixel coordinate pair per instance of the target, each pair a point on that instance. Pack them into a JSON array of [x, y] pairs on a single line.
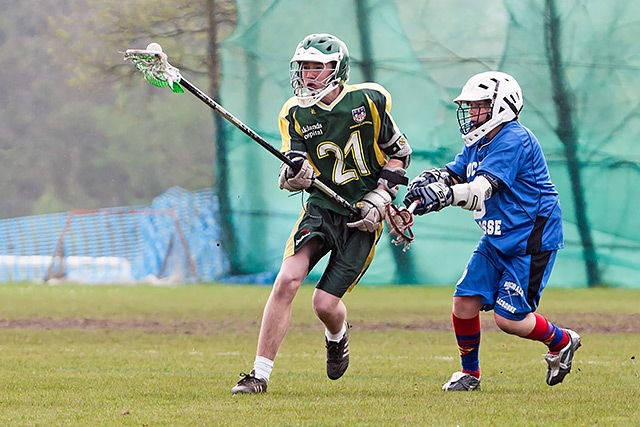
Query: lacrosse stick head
[[400, 220], [153, 64]]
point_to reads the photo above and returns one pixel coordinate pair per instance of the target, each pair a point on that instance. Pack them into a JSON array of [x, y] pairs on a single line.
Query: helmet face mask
[[319, 65], [504, 104], [312, 80], [470, 114]]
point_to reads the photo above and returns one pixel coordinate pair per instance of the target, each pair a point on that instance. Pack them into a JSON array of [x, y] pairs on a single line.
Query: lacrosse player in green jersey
[[344, 136]]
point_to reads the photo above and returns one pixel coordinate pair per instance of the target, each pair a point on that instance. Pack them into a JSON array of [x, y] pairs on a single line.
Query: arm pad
[[472, 195], [397, 148], [392, 178]]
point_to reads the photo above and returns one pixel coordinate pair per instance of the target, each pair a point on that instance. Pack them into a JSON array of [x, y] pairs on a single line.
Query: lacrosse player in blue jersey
[[502, 176]]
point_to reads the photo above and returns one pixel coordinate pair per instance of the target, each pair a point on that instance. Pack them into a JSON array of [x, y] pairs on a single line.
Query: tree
[[405, 269], [566, 131], [191, 40]]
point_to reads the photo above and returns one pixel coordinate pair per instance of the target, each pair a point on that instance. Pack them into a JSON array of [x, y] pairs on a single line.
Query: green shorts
[[351, 250]]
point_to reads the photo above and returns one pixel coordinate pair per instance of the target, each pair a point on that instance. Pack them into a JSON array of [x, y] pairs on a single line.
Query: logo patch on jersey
[[359, 114], [510, 286], [309, 131]]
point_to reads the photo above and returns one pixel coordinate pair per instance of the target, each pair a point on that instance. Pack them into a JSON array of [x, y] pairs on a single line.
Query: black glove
[[297, 159], [433, 197]]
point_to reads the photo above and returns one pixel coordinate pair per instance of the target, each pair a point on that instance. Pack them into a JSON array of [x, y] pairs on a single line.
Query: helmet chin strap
[[306, 101], [481, 130], [475, 134]]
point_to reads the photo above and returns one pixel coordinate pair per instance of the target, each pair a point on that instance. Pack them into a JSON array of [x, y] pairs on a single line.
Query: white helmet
[[506, 103], [324, 49]]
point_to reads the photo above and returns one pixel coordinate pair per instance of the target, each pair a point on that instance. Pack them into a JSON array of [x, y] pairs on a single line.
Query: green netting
[[423, 52]]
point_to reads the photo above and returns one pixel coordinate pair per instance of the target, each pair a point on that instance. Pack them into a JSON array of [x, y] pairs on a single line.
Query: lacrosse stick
[[400, 220], [153, 64]]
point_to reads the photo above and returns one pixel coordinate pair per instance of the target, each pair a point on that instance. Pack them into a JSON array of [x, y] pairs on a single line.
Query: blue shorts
[[509, 284]]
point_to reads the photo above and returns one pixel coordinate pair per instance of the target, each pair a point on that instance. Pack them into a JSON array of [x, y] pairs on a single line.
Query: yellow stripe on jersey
[[283, 124], [369, 259], [381, 157], [374, 86], [288, 250]]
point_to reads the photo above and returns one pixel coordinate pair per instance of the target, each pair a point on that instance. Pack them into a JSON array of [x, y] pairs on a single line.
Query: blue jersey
[[524, 215]]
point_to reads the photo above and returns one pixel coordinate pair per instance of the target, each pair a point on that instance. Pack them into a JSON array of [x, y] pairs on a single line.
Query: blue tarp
[[174, 239]]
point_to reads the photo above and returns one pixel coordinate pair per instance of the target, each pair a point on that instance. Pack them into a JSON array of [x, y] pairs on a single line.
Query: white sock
[[336, 337], [262, 367]]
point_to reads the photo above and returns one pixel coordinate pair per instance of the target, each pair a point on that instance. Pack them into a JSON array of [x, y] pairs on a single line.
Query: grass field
[[168, 356]]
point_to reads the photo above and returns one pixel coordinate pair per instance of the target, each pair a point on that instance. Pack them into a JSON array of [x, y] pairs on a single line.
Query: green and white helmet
[[321, 48]]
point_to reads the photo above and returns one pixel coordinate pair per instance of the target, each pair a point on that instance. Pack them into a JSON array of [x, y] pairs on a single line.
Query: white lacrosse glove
[[299, 177], [372, 210]]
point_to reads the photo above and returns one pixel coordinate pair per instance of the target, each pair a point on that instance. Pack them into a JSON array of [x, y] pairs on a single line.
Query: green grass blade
[[168, 356]]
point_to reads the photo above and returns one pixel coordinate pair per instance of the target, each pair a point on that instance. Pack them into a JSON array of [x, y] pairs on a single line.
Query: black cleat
[[462, 382], [337, 356], [249, 384]]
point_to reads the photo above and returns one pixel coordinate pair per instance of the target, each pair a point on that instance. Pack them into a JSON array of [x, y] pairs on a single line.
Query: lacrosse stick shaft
[[260, 140]]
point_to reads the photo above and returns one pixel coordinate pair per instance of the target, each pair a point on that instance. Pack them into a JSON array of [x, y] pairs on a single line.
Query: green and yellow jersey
[[342, 140]]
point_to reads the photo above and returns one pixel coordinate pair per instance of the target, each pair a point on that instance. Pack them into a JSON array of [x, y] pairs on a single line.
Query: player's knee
[[510, 326], [324, 303], [466, 307], [286, 285]]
